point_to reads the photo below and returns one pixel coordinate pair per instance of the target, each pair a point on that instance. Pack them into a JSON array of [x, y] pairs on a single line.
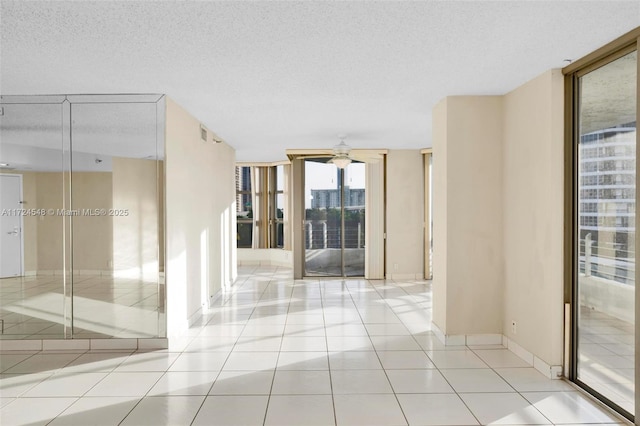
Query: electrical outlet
[[514, 327], [395, 267], [110, 264]]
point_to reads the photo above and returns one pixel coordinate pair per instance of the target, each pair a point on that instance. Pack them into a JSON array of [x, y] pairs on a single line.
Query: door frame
[[427, 155], [21, 189], [341, 174], [375, 216], [606, 54]]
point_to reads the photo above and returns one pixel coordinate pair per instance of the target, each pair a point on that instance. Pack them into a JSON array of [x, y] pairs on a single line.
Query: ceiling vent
[[203, 133]]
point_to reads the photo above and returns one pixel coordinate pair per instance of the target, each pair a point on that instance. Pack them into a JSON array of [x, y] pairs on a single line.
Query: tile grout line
[[326, 340], [448, 383], [275, 368], [224, 302], [395, 395]]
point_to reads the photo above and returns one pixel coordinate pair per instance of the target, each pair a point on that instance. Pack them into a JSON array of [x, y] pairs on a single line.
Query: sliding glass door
[[605, 240], [334, 224]]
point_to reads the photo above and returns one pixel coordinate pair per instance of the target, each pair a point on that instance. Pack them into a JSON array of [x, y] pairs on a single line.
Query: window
[[244, 207], [278, 206], [261, 206], [603, 144]]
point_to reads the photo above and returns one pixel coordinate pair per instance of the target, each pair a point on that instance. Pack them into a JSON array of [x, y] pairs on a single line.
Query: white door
[[10, 226]]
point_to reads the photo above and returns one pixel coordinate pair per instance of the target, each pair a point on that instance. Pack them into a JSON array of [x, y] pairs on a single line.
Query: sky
[[324, 176]]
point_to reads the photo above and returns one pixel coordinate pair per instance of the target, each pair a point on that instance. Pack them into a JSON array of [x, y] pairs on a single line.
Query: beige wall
[[92, 235], [49, 196], [405, 214], [439, 199], [43, 234], [136, 234], [472, 216], [200, 209], [498, 216], [100, 242], [533, 215]]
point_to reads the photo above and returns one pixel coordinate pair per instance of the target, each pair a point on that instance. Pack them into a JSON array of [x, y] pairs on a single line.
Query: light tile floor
[[31, 307], [283, 352], [606, 356]]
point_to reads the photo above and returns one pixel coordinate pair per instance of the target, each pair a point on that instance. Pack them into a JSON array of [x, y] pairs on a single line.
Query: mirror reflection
[[82, 185]]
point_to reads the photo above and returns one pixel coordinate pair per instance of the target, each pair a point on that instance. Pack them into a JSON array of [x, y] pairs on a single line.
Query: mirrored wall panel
[[33, 160], [87, 174]]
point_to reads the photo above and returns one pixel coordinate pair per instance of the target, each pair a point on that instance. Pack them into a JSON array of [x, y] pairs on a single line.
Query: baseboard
[[74, 345], [419, 276], [213, 299], [98, 272], [284, 264], [50, 272], [466, 339], [195, 316], [93, 272], [550, 371]]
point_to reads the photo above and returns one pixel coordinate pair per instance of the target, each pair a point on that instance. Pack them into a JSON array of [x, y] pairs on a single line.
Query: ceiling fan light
[[342, 149], [341, 161]]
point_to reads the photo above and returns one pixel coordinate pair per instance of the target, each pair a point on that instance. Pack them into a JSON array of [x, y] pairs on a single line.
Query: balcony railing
[[607, 260], [323, 234]]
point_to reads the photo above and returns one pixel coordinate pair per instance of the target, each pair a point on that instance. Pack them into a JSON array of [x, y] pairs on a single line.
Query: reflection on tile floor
[[104, 306], [283, 352], [606, 356]]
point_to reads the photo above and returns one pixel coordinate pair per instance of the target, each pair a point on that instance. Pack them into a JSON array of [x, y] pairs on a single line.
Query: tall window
[[604, 239], [261, 204], [244, 207], [278, 207]]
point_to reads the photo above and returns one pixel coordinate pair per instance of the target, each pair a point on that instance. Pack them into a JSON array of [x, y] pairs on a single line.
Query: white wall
[[533, 215], [405, 214], [200, 218]]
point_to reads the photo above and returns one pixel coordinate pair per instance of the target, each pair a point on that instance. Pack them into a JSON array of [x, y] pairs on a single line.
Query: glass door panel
[[334, 219], [323, 218], [606, 231], [354, 215]]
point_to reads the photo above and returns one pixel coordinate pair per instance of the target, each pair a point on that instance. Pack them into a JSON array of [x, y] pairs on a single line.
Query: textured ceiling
[[267, 76]]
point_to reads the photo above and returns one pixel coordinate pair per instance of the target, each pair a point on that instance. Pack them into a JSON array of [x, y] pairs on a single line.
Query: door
[[10, 225], [334, 225], [605, 285]]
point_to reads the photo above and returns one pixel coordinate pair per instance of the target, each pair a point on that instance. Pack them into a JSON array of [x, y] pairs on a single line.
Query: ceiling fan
[[341, 155]]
